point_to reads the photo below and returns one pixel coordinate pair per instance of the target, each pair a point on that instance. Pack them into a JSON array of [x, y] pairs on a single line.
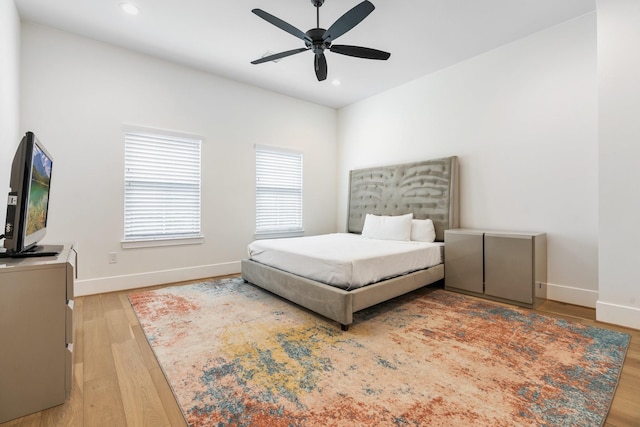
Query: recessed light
[[129, 8], [335, 82]]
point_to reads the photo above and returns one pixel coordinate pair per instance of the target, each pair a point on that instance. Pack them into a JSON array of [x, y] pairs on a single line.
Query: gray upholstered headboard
[[428, 189]]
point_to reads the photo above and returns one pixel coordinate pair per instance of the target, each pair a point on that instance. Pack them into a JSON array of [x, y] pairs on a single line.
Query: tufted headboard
[[429, 189]]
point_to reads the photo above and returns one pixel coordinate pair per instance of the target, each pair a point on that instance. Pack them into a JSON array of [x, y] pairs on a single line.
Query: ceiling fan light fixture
[[129, 8]]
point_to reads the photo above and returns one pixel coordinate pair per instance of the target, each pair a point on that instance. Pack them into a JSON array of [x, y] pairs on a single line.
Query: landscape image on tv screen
[[38, 191]]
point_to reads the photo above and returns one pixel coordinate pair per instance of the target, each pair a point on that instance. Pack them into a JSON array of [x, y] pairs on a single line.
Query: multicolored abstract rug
[[236, 355]]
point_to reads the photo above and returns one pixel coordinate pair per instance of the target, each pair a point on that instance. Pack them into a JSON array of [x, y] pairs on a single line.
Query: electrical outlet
[[113, 257]]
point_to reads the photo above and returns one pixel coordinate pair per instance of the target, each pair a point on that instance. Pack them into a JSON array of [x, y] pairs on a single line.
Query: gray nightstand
[[500, 265]]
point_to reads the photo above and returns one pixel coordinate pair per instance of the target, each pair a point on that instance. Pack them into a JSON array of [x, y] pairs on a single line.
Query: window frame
[[155, 136], [297, 189]]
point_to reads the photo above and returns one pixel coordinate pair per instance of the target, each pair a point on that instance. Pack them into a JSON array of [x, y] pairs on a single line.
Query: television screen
[[40, 182], [28, 201]]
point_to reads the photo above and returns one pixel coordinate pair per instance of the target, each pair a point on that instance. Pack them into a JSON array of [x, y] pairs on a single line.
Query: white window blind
[[162, 186], [278, 192]]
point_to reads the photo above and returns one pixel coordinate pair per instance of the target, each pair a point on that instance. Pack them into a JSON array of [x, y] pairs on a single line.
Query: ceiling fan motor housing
[[317, 43]]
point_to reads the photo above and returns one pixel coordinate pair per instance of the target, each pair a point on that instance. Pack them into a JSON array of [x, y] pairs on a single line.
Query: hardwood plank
[[103, 403], [92, 306], [629, 382], [26, 421], [98, 360], [142, 404], [627, 412], [118, 326], [116, 320], [126, 306], [111, 302], [145, 349], [565, 309], [173, 411]]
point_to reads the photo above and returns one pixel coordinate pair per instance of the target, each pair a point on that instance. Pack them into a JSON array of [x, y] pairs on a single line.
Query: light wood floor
[[117, 380]]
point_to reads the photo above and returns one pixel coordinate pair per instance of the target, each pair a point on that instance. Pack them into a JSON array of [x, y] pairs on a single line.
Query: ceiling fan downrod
[[317, 44], [317, 4]]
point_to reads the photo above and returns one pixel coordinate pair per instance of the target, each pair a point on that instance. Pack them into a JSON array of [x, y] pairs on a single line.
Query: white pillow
[[387, 227], [422, 230]]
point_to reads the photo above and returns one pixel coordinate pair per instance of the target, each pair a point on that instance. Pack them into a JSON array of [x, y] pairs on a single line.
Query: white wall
[[9, 95], [78, 94], [619, 113], [523, 120]]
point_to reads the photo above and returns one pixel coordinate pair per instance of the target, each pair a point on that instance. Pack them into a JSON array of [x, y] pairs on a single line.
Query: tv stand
[[36, 333], [35, 251]]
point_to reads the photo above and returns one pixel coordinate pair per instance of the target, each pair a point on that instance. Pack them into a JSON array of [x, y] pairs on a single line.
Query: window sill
[[278, 235], [151, 243]]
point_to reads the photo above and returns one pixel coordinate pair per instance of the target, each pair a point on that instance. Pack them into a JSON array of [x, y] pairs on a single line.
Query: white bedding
[[345, 260]]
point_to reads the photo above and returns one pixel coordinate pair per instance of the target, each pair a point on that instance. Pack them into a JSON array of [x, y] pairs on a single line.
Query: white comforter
[[345, 260]]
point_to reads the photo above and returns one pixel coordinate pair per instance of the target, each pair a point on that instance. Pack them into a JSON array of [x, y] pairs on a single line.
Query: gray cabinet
[[500, 265], [36, 332]]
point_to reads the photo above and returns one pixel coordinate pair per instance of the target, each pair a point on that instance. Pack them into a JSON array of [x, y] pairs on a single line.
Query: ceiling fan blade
[[281, 24], [320, 63], [279, 55], [349, 20], [359, 52]]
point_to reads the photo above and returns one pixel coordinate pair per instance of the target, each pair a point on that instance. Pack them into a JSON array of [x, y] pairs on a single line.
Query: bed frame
[[428, 189]]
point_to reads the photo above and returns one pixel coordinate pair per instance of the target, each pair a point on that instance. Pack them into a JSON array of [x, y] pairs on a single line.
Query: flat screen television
[[28, 200]]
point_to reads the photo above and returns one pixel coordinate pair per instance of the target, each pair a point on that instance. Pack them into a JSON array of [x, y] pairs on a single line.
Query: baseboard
[[132, 281], [618, 314], [569, 295]]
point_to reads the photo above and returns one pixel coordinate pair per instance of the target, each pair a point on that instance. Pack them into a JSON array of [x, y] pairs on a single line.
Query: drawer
[[68, 377], [71, 271], [69, 322]]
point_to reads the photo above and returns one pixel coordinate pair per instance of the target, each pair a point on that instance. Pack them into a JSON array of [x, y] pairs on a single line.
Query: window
[[278, 192], [161, 187]]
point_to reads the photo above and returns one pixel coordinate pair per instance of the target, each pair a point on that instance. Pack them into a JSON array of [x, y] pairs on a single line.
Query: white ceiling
[[223, 37]]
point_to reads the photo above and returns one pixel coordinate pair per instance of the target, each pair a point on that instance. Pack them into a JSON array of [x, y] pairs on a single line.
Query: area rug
[[236, 355]]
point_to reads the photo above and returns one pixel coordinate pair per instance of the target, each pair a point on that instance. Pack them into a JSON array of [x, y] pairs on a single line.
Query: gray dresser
[[36, 332]]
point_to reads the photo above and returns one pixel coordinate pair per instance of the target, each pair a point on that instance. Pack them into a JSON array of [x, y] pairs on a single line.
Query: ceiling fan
[[318, 39]]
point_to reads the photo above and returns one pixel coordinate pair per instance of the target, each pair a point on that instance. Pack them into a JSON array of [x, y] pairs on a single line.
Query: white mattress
[[345, 260]]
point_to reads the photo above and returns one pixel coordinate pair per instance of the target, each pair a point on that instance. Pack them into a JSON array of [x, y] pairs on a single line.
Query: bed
[[427, 190]]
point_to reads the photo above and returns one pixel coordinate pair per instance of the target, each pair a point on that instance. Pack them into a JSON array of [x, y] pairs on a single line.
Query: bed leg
[[344, 327]]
